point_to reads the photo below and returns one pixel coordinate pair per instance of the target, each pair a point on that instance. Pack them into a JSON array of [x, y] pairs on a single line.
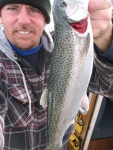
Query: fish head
[[73, 12]]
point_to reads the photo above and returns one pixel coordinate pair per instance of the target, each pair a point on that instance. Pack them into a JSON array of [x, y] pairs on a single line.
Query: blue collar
[[26, 52]]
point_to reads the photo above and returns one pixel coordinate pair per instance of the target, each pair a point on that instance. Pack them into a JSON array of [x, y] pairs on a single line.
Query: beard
[[24, 41]]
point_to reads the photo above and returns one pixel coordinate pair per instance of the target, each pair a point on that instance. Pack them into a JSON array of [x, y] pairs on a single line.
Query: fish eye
[[63, 4]]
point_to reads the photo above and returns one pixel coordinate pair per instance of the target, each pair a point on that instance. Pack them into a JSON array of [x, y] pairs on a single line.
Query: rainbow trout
[[72, 62]]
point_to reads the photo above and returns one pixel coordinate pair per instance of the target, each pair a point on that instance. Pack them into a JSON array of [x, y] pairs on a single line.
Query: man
[[25, 65]]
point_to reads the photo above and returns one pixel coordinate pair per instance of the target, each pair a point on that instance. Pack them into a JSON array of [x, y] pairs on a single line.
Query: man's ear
[[45, 24], [0, 18]]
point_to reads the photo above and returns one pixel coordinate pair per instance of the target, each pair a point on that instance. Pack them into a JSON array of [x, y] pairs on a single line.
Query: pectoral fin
[[44, 97], [84, 105]]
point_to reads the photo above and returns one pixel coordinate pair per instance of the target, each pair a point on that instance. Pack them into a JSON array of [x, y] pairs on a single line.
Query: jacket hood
[[4, 44]]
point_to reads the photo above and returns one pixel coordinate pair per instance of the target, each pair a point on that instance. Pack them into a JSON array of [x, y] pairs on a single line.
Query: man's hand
[[101, 14]]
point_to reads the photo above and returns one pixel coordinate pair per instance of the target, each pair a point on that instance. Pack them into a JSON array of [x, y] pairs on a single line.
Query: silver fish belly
[[72, 62]]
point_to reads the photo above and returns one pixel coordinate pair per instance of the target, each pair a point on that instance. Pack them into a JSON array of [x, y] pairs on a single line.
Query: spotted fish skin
[[72, 62]]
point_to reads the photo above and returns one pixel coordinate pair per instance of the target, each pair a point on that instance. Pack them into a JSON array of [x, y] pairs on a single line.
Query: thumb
[[99, 5]]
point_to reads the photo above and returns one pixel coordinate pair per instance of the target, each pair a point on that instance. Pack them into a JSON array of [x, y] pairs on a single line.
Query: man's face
[[23, 25]]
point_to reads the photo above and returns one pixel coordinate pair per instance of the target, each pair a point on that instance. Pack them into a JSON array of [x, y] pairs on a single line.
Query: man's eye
[[11, 8], [35, 11]]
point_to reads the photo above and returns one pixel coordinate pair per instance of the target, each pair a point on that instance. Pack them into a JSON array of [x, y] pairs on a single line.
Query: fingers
[[100, 21], [104, 14]]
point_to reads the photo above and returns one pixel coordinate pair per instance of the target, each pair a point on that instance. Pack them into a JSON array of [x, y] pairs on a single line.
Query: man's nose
[[24, 17]]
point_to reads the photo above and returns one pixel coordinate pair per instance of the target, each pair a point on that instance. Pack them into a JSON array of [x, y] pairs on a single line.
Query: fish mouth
[[80, 26]]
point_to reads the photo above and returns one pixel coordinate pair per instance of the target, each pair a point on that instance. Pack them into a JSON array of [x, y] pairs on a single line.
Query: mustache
[[23, 28]]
